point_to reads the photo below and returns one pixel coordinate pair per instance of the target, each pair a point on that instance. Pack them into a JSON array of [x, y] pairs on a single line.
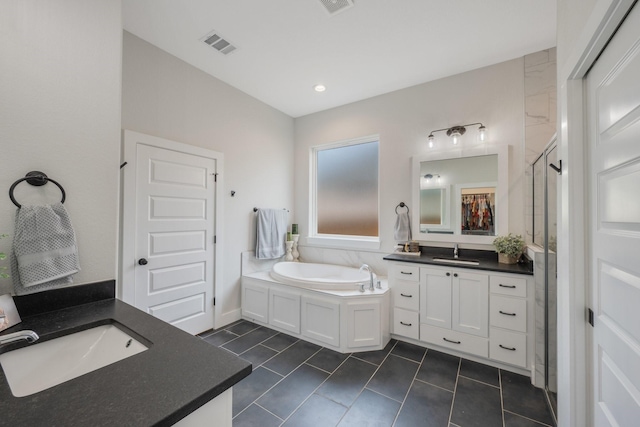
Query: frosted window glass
[[347, 190]]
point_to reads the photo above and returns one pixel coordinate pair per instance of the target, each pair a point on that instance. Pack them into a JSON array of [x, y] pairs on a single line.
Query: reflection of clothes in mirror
[[477, 212]]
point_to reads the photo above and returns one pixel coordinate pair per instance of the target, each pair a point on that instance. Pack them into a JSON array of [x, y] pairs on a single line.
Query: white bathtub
[[320, 276]]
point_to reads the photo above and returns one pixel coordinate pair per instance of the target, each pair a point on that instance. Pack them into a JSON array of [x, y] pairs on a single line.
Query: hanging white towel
[[45, 254], [402, 230], [271, 233]]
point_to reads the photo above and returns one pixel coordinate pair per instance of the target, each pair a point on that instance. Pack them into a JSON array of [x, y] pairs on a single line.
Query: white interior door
[[169, 251], [613, 95]]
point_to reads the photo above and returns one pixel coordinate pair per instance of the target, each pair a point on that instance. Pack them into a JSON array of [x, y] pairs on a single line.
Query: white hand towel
[[402, 230], [271, 233], [44, 253]]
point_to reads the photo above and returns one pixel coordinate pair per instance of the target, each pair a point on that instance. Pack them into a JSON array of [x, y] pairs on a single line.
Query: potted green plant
[[509, 248]]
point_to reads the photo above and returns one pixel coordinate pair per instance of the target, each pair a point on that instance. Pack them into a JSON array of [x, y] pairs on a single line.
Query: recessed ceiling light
[[319, 88]]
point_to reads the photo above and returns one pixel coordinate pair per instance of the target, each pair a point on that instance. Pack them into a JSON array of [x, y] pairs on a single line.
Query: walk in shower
[[544, 229]]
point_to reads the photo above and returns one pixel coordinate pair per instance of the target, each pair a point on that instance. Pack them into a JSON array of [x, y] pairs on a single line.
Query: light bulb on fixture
[[431, 139], [319, 88], [482, 132]]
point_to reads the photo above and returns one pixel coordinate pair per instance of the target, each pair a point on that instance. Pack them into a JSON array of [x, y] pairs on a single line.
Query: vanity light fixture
[[456, 132], [319, 88], [429, 177]]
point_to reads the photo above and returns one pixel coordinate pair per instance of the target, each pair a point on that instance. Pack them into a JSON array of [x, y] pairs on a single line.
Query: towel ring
[[402, 205], [38, 179]]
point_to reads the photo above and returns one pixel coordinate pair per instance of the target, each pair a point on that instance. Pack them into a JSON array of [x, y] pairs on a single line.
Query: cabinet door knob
[[142, 261], [448, 274], [455, 274]]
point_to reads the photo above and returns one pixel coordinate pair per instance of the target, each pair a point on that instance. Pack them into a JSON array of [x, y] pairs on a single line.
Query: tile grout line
[[527, 418], [455, 389], [410, 386], [434, 385], [265, 409], [367, 383], [482, 382], [319, 385]]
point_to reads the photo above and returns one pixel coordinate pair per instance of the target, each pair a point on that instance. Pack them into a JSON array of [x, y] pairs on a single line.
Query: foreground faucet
[[366, 267], [455, 251], [28, 336]]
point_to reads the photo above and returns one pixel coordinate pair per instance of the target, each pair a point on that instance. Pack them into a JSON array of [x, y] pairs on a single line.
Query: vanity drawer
[[508, 313], [406, 323], [406, 272], [508, 347], [454, 340], [506, 285], [406, 295]]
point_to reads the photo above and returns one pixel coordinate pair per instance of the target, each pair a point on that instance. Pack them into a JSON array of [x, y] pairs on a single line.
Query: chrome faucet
[[455, 251], [366, 267], [28, 336]]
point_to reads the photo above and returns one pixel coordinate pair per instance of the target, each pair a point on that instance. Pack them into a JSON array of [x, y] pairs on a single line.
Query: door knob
[[142, 261]]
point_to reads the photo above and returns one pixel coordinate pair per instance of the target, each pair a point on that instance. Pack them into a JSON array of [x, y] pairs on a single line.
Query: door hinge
[[214, 301], [590, 316], [215, 239], [215, 176]]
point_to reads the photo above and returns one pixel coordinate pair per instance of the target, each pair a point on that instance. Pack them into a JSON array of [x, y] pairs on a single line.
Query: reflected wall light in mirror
[[474, 180], [456, 132]]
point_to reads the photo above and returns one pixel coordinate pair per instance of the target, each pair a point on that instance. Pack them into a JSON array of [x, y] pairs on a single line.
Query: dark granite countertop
[[158, 387], [488, 260]]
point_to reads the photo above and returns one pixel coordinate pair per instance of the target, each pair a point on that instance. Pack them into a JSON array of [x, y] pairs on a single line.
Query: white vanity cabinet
[[483, 313], [454, 307], [406, 300]]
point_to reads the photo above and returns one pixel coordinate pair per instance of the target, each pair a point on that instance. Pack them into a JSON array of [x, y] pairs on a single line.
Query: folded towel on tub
[[45, 254], [271, 233]]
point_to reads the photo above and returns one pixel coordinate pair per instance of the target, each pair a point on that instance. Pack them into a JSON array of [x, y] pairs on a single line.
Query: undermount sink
[[457, 261], [43, 365]]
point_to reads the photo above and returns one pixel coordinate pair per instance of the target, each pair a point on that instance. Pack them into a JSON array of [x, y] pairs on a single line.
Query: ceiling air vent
[[216, 41], [335, 6]]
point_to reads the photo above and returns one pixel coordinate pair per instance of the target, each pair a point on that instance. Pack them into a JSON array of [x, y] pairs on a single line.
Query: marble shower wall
[[540, 117]]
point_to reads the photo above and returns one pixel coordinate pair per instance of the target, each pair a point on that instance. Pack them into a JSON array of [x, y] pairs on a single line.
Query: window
[[345, 193]]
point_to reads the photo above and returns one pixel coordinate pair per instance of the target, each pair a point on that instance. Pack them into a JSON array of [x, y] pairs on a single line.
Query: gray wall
[[165, 97], [60, 114]]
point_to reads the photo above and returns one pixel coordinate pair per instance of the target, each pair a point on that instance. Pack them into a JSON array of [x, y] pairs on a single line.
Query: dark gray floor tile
[[252, 387], [476, 404], [258, 355], [480, 372], [280, 342], [248, 340], [220, 338], [346, 383], [327, 360], [410, 351], [371, 410], [376, 357], [255, 416], [242, 327], [289, 393], [317, 412], [292, 357], [439, 369], [426, 405], [522, 398], [513, 420], [394, 377]]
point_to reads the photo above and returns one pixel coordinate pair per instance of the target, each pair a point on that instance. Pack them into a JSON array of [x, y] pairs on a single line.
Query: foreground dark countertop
[[158, 387], [488, 260]]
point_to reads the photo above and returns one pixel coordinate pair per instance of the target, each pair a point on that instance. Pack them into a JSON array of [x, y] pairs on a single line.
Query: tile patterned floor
[[296, 383]]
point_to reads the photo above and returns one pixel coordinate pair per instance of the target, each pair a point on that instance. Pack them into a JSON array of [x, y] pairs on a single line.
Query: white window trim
[[334, 240]]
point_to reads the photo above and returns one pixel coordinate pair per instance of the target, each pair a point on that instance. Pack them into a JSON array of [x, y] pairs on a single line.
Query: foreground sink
[[43, 365], [458, 261]]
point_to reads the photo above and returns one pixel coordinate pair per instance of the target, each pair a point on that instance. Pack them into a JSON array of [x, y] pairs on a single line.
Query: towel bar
[[402, 205], [36, 178]]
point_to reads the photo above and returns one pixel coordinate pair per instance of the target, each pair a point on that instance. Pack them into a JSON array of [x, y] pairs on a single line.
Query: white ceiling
[[285, 47]]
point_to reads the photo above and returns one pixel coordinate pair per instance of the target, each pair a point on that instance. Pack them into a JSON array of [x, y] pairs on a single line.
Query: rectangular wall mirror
[[462, 197]]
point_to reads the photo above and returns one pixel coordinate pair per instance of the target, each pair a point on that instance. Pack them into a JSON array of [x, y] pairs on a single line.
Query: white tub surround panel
[[344, 321]]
